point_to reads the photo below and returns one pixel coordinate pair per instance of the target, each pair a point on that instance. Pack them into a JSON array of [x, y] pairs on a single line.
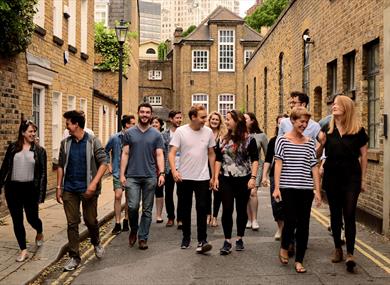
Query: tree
[[162, 51], [189, 30], [16, 25], [266, 14]]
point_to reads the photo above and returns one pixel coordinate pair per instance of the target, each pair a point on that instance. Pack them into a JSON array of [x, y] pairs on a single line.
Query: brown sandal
[[283, 259], [299, 268]]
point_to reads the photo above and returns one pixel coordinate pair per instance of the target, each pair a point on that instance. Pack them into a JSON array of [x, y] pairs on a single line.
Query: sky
[[245, 5]]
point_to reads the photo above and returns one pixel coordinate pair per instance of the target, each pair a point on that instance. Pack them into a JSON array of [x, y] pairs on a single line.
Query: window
[[106, 113], [372, 64], [39, 17], [225, 103], [84, 26], [226, 50], [332, 79], [202, 99], [200, 60], [247, 98], [155, 100], [84, 108], [38, 111], [101, 12], [150, 51], [306, 66], [247, 55], [281, 83], [71, 103], [72, 23], [57, 18], [265, 98], [155, 75], [56, 124], [101, 118], [254, 94], [349, 72]]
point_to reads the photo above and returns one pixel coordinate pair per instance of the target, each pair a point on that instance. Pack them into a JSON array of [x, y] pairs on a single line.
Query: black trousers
[[342, 202], [19, 196], [234, 188], [201, 189], [214, 203], [297, 207], [169, 203]]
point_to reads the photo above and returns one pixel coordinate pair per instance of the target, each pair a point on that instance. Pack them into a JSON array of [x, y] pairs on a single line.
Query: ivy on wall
[[162, 51], [16, 25], [106, 44]]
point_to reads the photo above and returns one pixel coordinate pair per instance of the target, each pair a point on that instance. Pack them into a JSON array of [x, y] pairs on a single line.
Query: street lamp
[[121, 32]]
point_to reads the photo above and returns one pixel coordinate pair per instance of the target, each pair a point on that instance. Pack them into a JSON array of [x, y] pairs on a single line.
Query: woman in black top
[[23, 173], [237, 160], [269, 167], [345, 141]]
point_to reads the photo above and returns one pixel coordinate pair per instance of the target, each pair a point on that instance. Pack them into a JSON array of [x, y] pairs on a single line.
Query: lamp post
[[121, 32]]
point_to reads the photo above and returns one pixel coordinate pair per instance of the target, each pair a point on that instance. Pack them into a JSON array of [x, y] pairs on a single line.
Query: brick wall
[[337, 28]]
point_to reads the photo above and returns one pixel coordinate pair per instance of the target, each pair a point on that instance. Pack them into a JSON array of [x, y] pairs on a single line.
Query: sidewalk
[[54, 229]]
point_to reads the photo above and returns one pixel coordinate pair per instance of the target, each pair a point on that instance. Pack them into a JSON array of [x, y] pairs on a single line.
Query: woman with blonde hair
[[345, 143], [216, 123]]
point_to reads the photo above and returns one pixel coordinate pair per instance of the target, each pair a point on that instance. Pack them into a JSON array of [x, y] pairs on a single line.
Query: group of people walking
[[216, 158]]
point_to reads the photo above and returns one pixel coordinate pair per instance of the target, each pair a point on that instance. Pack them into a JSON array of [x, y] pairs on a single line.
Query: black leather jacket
[[40, 170]]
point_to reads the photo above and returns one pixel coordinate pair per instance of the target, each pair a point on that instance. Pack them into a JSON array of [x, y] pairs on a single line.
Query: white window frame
[[56, 123], [84, 26], [221, 45], [200, 98], [197, 54], [155, 100], [57, 18], [247, 55], [222, 103], [39, 17], [155, 75], [71, 103], [41, 110], [84, 108], [100, 9], [72, 22]]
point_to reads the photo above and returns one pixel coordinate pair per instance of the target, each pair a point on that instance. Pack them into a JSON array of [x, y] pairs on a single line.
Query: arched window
[[150, 51], [281, 83], [317, 103], [265, 98], [254, 95], [306, 64]]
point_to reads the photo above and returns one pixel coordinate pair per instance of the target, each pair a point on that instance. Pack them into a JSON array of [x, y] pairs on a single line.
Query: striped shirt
[[297, 162]]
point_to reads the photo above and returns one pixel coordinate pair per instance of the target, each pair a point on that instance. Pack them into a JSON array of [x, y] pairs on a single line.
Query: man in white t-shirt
[[196, 145]]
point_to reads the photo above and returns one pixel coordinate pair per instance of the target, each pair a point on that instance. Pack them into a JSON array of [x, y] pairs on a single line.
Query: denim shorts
[[117, 184]]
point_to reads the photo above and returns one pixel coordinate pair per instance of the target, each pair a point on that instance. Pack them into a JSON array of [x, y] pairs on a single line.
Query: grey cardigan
[[96, 156]]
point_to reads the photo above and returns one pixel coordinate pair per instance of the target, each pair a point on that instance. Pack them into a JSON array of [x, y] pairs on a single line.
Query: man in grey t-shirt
[[144, 146]]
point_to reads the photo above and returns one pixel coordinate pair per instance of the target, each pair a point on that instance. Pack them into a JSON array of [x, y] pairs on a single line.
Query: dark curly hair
[[238, 135]]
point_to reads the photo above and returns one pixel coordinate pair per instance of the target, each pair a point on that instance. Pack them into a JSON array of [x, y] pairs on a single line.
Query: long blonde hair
[[222, 130], [350, 121]]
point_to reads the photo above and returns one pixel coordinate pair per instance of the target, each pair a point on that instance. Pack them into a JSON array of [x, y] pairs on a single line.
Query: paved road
[[165, 263]]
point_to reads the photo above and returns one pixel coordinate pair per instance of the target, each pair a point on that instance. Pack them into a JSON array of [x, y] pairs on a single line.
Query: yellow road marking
[[322, 219]]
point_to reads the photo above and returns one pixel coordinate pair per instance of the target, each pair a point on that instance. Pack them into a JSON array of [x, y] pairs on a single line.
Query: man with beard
[[175, 119], [142, 151]]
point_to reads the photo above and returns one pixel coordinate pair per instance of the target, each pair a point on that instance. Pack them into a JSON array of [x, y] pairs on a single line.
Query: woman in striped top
[[296, 175]]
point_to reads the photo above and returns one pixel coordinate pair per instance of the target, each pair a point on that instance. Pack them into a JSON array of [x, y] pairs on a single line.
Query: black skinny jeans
[[19, 196], [234, 188], [169, 203], [215, 201], [342, 202], [296, 207], [201, 189]]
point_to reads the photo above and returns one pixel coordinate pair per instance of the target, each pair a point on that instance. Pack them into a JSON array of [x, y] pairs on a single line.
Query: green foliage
[[162, 51], [16, 25], [188, 31], [106, 44], [266, 14]]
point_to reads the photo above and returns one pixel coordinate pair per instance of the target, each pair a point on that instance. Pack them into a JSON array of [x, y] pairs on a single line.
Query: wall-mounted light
[[307, 39]]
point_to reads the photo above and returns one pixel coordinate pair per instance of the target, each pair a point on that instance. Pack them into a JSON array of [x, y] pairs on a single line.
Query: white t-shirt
[[193, 147]]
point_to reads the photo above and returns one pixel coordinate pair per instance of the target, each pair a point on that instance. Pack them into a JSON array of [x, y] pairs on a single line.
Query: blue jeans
[[135, 187]]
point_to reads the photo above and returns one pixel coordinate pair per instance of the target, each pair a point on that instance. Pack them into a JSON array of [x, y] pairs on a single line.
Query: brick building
[[105, 85], [52, 76], [208, 63], [326, 48]]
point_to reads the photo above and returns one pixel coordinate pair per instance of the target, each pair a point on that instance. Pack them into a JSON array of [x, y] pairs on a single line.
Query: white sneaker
[[255, 225], [99, 251], [248, 224], [278, 235]]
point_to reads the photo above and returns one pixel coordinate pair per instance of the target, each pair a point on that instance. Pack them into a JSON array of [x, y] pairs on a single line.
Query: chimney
[[178, 34]]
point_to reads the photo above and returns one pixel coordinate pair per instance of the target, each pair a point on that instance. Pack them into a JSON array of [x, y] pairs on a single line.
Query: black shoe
[[226, 248], [239, 245], [117, 229], [203, 247], [185, 244], [125, 226], [179, 225]]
